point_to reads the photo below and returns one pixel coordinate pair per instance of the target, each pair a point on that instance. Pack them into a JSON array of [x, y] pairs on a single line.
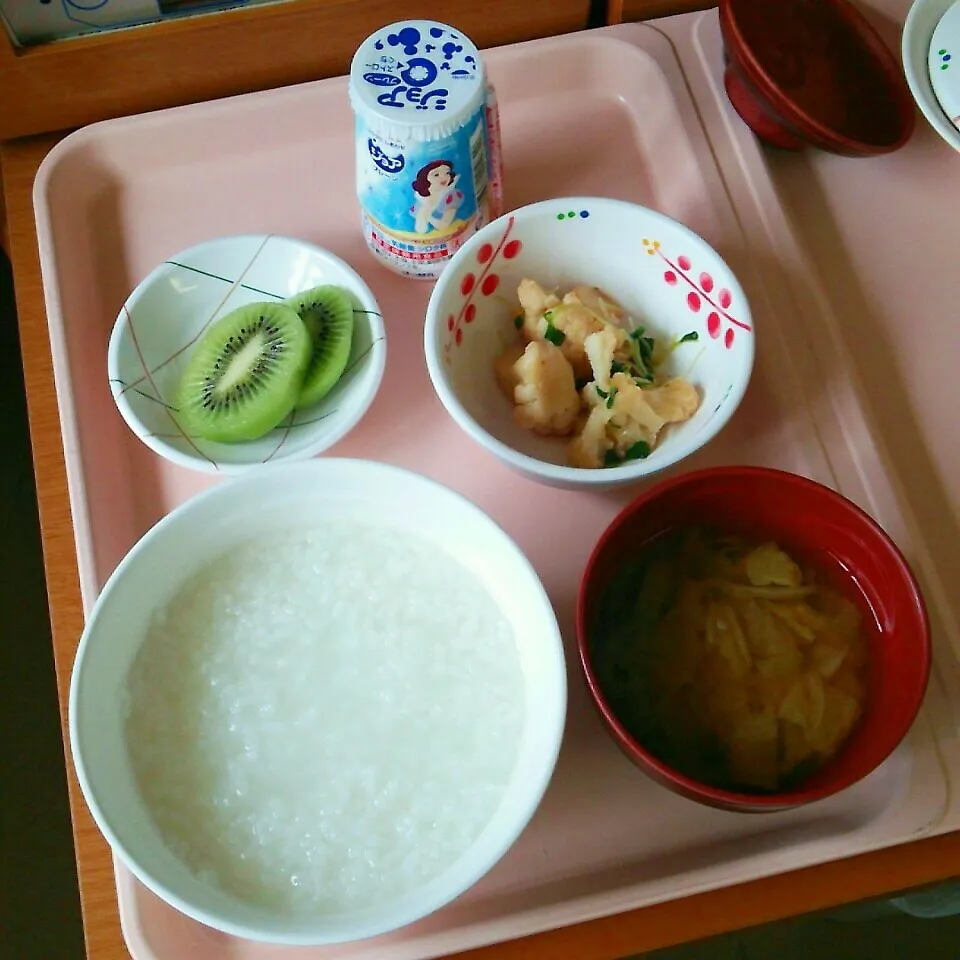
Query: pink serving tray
[[607, 113]]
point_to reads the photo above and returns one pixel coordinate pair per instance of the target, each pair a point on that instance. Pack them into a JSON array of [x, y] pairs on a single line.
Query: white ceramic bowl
[[662, 273], [212, 522], [179, 298], [918, 30]]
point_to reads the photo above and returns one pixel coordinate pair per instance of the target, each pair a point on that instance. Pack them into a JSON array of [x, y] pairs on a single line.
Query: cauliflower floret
[[595, 300], [622, 416], [584, 338], [575, 323], [615, 318], [635, 418], [676, 400], [546, 395], [535, 302], [619, 418], [504, 368], [600, 348], [589, 448], [583, 311]]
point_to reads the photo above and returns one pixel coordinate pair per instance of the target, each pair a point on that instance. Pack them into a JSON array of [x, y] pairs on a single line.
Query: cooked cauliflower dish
[[581, 369]]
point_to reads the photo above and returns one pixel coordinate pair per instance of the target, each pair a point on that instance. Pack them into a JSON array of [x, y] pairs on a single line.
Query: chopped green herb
[[637, 333], [548, 316], [643, 379], [636, 361], [518, 321], [554, 335], [611, 458], [639, 451], [689, 337], [610, 398], [641, 356], [601, 393], [616, 367]]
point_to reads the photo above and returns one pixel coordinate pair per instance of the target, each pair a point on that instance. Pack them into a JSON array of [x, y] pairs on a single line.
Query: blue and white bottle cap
[[416, 80]]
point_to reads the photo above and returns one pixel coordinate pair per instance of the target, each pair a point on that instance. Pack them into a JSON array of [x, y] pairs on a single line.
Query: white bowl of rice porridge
[[316, 704]]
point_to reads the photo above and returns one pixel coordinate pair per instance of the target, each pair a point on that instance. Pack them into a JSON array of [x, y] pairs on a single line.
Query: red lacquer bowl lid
[[816, 72]]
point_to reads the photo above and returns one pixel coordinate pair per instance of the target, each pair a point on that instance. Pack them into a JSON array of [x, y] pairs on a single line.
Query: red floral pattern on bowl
[[480, 282], [703, 293]]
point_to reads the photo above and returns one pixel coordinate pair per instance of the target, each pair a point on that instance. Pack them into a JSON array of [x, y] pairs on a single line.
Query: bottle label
[[422, 199]]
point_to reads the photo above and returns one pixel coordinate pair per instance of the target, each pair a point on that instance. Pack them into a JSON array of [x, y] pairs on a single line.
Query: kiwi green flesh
[[327, 313], [245, 374]]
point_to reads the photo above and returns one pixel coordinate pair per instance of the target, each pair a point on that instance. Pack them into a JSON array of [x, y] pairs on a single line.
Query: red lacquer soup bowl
[[816, 526]]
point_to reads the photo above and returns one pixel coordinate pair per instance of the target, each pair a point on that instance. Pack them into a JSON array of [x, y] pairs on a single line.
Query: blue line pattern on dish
[[233, 284], [213, 276], [285, 428]]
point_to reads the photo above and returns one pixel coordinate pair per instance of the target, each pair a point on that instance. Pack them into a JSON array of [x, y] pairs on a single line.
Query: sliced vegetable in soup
[[730, 662]]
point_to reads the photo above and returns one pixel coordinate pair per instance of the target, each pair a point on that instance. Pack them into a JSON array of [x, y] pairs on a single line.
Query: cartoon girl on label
[[436, 198]]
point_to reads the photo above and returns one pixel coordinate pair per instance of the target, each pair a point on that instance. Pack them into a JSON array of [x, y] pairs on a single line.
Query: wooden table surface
[[869, 875]]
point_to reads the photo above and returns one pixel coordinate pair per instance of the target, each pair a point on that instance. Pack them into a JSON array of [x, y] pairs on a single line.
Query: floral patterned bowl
[[667, 278]]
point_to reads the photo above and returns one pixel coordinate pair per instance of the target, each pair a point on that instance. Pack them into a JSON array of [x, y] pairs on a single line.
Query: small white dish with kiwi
[[246, 350]]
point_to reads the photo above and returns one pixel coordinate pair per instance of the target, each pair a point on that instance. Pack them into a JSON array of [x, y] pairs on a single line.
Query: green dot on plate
[[941, 52], [944, 67], [572, 213], [560, 216]]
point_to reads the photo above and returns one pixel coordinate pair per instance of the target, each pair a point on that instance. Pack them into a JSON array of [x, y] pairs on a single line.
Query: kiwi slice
[[327, 313], [245, 374]]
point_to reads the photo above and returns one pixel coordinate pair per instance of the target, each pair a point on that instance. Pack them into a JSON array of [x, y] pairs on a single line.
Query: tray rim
[[891, 505], [78, 138]]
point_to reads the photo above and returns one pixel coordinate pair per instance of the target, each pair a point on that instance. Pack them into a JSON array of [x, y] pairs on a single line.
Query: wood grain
[[628, 11], [4, 239], [74, 82], [19, 166], [845, 881]]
